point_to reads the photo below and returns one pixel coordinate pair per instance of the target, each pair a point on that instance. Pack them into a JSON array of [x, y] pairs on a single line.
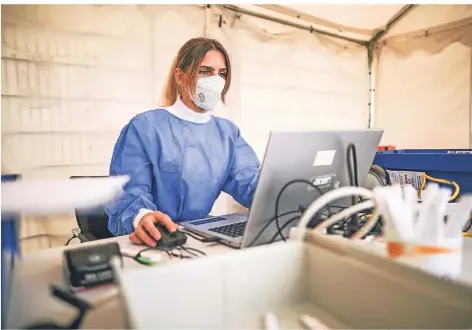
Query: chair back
[[93, 221]]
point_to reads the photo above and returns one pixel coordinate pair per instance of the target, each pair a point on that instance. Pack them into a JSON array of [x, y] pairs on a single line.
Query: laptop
[[315, 156]]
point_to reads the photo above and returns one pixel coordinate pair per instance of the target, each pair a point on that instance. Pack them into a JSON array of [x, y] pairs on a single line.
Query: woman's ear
[[180, 78]]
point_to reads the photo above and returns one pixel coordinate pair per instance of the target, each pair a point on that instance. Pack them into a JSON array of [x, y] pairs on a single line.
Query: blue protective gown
[[179, 167]]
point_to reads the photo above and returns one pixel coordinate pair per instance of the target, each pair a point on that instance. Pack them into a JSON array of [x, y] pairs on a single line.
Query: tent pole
[[370, 56], [295, 25], [391, 23], [370, 60]]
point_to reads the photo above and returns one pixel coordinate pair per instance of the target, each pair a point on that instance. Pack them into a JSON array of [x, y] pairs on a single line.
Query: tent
[[73, 75]]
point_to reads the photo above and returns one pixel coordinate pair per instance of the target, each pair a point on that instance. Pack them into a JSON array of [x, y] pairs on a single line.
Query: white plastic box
[[330, 279]]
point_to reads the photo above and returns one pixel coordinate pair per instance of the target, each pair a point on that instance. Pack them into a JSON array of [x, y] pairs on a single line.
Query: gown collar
[[180, 110]]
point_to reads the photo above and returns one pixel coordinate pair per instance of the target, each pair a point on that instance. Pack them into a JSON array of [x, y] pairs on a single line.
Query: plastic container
[[449, 164], [10, 251], [444, 264], [327, 278]]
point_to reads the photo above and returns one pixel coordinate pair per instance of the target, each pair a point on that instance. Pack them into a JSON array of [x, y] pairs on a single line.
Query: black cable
[[188, 248], [352, 170], [70, 239], [267, 225], [138, 255], [351, 159], [188, 251], [280, 194], [282, 228], [212, 239], [178, 248], [467, 226], [135, 259]]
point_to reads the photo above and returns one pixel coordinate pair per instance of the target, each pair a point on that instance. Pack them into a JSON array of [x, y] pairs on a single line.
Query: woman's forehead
[[214, 59]]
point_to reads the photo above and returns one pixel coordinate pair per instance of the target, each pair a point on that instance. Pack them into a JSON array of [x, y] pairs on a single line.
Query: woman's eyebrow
[[207, 67]]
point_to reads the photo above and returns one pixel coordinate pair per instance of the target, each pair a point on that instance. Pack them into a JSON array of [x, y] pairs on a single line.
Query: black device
[[170, 240], [90, 266]]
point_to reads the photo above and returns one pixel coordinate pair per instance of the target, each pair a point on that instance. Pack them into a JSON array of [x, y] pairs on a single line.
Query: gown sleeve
[[244, 173], [131, 157]]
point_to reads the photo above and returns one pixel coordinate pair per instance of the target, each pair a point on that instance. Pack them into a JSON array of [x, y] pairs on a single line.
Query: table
[[31, 301]]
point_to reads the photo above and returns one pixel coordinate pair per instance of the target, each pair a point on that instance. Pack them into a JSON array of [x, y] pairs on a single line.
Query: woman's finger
[[144, 236], [150, 228], [135, 239], [165, 220]]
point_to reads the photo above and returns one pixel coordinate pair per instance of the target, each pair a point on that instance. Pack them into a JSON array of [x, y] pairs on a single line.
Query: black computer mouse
[[170, 240]]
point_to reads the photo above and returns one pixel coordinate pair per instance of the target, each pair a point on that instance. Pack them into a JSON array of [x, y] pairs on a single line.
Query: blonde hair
[[188, 60]]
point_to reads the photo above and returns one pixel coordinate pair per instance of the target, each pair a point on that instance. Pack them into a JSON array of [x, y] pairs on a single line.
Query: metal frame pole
[[292, 24], [370, 57]]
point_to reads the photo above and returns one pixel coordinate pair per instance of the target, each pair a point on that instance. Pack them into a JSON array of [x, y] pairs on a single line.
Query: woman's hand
[[147, 233]]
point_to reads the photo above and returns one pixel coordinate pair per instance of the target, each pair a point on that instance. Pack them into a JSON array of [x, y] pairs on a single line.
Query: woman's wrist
[[139, 216]]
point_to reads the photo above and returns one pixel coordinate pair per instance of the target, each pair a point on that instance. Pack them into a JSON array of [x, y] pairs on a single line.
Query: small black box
[[90, 266]]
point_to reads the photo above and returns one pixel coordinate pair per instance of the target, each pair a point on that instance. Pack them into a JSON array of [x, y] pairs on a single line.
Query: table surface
[[31, 301]]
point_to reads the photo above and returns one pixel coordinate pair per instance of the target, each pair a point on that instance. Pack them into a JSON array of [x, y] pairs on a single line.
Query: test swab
[[458, 217], [426, 214], [270, 322], [436, 212], [311, 323]]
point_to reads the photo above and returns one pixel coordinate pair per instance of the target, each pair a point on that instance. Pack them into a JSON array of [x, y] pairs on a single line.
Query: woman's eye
[[223, 75], [205, 72]]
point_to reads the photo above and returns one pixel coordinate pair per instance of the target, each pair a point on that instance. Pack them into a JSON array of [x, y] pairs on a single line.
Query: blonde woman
[[180, 157]]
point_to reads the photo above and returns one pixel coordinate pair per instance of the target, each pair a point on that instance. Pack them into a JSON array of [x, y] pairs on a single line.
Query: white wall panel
[[295, 80], [424, 90], [72, 77]]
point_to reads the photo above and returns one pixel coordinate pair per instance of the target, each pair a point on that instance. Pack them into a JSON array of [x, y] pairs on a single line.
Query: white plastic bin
[[329, 279]]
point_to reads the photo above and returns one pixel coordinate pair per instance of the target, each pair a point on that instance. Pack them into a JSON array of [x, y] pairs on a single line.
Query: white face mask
[[208, 92]]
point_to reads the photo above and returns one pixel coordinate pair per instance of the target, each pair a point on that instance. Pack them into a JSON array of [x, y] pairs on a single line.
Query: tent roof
[[363, 22]]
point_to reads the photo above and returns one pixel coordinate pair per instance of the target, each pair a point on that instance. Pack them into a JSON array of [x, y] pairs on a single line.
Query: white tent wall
[[423, 90], [291, 79], [72, 76]]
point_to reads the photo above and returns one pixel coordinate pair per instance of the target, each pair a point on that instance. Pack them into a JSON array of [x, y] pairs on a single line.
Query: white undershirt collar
[[180, 110]]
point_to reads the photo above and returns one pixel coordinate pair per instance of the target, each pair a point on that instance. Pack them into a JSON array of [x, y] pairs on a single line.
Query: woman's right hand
[[146, 231]]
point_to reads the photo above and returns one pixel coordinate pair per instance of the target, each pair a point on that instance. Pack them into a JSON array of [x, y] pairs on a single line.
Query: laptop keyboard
[[232, 230]]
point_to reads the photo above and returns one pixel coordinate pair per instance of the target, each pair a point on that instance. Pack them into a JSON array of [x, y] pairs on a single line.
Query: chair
[[93, 223]]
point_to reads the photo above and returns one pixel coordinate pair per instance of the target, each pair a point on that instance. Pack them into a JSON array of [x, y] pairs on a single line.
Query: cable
[[380, 174], [181, 255], [188, 251], [367, 227], [327, 198], [280, 195], [352, 170], [70, 239], [468, 225], [344, 214], [140, 259], [352, 167], [267, 225], [212, 239], [188, 248], [283, 227], [443, 181]]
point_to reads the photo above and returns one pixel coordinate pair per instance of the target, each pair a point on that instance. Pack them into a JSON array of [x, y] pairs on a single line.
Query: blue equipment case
[[10, 251], [449, 164]]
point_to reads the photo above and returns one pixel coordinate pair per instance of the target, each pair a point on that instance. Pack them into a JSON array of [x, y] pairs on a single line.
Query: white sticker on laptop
[[324, 158]]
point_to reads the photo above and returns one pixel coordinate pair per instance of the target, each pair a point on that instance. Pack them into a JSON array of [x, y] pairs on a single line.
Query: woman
[[180, 157]]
